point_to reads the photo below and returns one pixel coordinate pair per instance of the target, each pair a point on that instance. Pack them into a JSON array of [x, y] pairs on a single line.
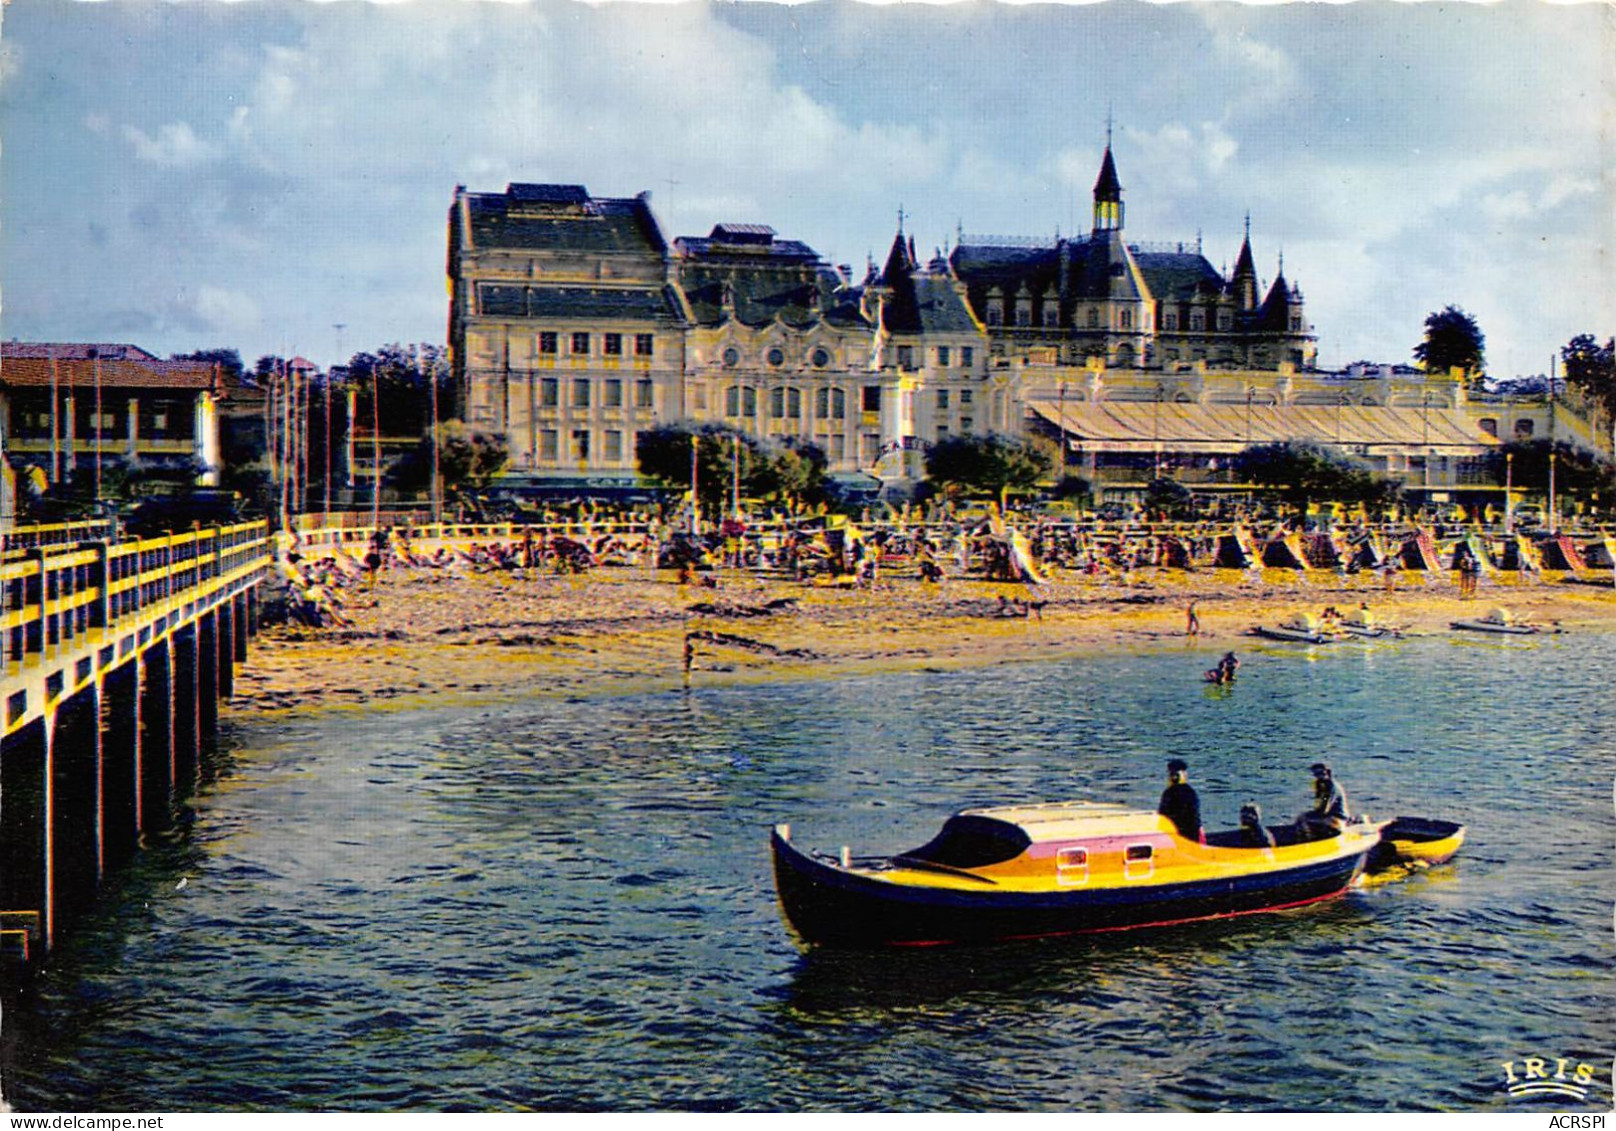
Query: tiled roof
[[596, 226], [578, 303], [130, 373], [114, 350]]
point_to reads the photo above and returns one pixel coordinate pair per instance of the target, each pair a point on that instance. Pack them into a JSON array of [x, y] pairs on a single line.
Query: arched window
[[740, 400], [1524, 427], [830, 404], [1488, 425], [777, 404], [794, 404]]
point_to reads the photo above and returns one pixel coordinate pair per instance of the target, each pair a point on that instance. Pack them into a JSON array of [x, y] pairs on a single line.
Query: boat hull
[[1416, 842], [1498, 629], [832, 906], [1298, 635]]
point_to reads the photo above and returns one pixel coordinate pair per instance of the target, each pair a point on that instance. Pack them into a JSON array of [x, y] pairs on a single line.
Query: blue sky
[[206, 174]]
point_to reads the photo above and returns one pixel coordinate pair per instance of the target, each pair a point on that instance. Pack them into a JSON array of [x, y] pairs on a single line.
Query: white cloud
[[176, 145], [226, 311]]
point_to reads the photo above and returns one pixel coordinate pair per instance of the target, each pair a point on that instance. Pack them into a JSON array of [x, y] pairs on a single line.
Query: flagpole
[[375, 448], [97, 364], [56, 445]]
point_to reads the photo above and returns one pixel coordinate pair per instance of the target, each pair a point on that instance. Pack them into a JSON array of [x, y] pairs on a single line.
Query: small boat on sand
[[1303, 628], [1054, 869], [1498, 620]]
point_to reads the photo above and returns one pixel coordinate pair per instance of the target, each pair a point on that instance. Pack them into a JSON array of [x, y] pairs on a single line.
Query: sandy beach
[[424, 637]]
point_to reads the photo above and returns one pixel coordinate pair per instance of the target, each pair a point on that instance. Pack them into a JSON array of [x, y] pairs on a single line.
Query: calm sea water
[[569, 906]]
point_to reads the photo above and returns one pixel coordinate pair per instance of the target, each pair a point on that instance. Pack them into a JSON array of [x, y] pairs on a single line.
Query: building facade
[[575, 324], [65, 406]]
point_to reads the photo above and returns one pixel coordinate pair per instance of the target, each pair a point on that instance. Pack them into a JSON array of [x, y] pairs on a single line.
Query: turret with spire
[[1244, 281], [1108, 192]]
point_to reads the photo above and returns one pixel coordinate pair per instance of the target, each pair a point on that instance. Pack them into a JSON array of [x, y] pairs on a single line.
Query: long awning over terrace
[[1148, 426]]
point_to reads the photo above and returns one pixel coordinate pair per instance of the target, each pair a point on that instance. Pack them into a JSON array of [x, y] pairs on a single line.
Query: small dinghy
[[1498, 621], [1303, 628], [1415, 842]]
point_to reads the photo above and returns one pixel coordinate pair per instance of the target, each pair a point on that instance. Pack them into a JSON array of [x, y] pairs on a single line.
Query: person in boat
[[1329, 814], [1253, 833], [1180, 803]]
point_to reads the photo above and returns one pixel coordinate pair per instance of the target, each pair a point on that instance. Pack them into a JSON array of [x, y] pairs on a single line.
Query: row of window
[[1050, 318], [785, 402], [33, 422], [820, 357], [583, 393], [581, 342], [580, 448]]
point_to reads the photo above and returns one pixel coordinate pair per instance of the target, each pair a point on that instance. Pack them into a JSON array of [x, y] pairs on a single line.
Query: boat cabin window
[[1138, 861], [1072, 866], [973, 842]]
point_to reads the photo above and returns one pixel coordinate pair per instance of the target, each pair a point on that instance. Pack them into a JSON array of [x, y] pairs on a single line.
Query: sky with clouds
[[217, 175]]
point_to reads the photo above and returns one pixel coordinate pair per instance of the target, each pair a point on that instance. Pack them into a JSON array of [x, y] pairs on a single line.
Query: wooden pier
[[113, 658]]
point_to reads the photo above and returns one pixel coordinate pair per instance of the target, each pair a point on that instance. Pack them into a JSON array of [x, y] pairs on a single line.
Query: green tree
[[1169, 498], [1452, 339], [466, 457], [228, 361], [987, 464], [1591, 367], [1300, 473], [792, 471], [1578, 472]]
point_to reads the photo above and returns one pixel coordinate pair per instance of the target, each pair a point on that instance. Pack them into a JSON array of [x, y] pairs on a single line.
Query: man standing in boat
[[1180, 803], [1329, 813]]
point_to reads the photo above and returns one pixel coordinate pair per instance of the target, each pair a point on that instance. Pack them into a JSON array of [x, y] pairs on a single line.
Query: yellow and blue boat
[[1055, 869]]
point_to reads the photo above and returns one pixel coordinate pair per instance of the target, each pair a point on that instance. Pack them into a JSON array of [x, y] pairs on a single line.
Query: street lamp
[[1509, 492]]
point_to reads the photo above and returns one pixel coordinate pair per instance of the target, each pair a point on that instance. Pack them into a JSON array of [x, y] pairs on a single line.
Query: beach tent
[[1175, 554], [1519, 553], [1418, 551], [1235, 550], [1285, 551], [1325, 550], [1558, 551], [1368, 553], [1600, 553], [1022, 565]]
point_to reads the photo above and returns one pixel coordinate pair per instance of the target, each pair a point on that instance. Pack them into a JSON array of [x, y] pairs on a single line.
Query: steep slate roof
[[1177, 275], [1107, 186], [767, 278], [562, 218], [507, 300], [940, 308]]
